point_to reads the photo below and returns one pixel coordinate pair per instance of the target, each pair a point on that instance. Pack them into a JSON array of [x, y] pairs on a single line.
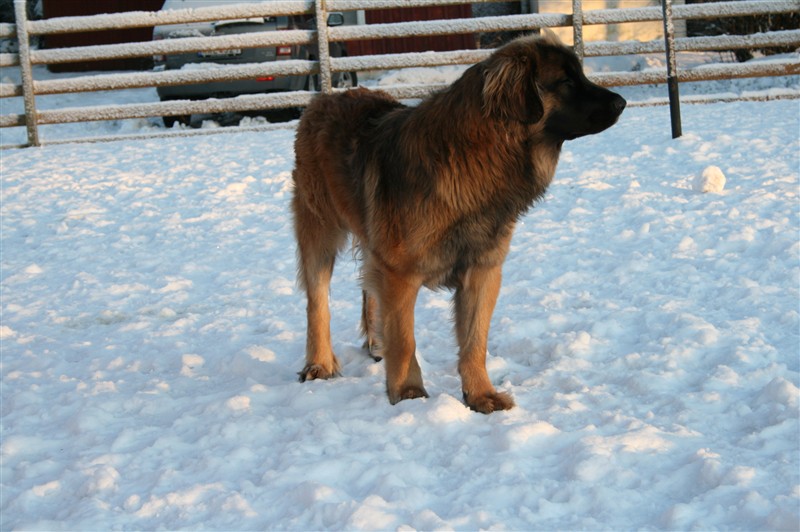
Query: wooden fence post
[[26, 69], [323, 46], [577, 28]]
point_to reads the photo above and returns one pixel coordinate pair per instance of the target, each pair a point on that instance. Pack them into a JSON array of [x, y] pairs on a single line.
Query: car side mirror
[[335, 19]]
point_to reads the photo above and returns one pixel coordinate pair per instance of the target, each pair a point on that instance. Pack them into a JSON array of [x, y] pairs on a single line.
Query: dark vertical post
[[672, 70]]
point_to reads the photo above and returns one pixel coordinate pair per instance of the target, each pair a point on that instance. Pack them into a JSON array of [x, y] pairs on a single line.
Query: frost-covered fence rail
[[324, 66], [685, 44], [32, 117], [604, 16]]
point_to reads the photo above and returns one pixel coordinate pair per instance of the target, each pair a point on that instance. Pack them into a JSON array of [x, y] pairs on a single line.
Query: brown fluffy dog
[[431, 195]]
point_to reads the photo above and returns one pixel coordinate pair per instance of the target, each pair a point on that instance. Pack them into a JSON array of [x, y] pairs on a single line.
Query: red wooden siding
[[69, 8], [437, 43], [64, 8]]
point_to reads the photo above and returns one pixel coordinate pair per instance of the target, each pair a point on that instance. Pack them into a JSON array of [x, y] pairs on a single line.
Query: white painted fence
[[326, 65]]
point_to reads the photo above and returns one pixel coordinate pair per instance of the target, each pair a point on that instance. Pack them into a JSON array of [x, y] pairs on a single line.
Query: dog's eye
[[566, 83]]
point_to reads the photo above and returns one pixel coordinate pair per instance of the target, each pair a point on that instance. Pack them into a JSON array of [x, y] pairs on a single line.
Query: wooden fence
[[325, 66]]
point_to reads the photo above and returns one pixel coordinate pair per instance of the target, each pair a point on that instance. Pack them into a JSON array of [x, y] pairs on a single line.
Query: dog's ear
[[509, 89]]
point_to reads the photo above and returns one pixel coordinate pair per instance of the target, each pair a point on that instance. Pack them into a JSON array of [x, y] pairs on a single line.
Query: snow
[[711, 179], [649, 333]]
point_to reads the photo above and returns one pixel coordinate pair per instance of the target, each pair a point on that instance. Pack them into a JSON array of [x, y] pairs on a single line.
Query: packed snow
[[152, 331], [711, 179]]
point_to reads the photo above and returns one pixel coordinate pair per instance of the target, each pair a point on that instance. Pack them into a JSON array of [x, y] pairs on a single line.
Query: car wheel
[[344, 80], [170, 121], [340, 80]]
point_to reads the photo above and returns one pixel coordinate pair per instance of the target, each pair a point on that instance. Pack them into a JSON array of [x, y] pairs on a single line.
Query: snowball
[[711, 180]]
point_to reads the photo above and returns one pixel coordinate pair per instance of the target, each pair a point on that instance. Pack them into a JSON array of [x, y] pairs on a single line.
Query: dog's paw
[[373, 349], [489, 402], [407, 392], [316, 371]]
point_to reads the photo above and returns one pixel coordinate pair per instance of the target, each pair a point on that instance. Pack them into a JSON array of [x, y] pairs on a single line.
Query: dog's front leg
[[475, 299], [397, 295]]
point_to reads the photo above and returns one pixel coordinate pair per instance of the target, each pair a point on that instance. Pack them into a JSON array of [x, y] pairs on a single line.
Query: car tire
[[344, 80], [170, 121], [312, 83], [340, 80]]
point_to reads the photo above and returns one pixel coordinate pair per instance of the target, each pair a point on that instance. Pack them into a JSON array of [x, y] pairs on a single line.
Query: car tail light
[[284, 50], [266, 78]]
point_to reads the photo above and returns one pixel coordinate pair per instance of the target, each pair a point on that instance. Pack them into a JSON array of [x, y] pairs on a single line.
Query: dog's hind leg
[[370, 324], [396, 296], [318, 242], [475, 299]]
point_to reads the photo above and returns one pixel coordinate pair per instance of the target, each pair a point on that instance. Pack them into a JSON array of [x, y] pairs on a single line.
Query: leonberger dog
[[431, 195]]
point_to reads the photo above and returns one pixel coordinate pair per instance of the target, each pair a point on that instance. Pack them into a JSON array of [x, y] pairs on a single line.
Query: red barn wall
[[70, 8], [436, 43]]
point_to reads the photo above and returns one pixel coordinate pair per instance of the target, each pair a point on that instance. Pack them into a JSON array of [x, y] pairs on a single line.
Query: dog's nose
[[618, 104]]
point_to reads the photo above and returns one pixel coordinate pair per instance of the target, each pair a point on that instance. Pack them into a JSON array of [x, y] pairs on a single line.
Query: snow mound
[[710, 180]]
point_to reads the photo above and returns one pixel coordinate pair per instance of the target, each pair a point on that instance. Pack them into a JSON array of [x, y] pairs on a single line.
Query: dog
[[431, 195]]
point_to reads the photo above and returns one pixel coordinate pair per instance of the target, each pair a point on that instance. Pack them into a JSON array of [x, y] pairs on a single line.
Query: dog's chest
[[471, 242]]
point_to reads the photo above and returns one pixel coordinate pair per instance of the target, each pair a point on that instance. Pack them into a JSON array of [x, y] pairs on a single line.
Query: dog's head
[[538, 79]]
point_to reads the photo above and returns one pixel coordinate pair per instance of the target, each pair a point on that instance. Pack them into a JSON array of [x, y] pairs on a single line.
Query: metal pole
[[323, 47], [577, 28], [26, 69], [672, 70]]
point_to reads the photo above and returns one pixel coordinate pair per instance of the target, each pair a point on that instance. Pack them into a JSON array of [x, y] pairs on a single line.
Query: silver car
[[228, 89]]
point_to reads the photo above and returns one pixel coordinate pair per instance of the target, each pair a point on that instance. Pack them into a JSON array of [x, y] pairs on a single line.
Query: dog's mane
[[468, 150]]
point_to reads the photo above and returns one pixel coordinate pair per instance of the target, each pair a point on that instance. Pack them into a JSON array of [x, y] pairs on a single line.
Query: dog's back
[[332, 123], [331, 128]]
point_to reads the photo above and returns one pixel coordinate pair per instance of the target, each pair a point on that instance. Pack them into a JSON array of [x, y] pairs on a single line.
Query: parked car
[[229, 89]]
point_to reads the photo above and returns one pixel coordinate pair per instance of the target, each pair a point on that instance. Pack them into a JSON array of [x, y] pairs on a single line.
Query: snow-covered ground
[[649, 332]]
